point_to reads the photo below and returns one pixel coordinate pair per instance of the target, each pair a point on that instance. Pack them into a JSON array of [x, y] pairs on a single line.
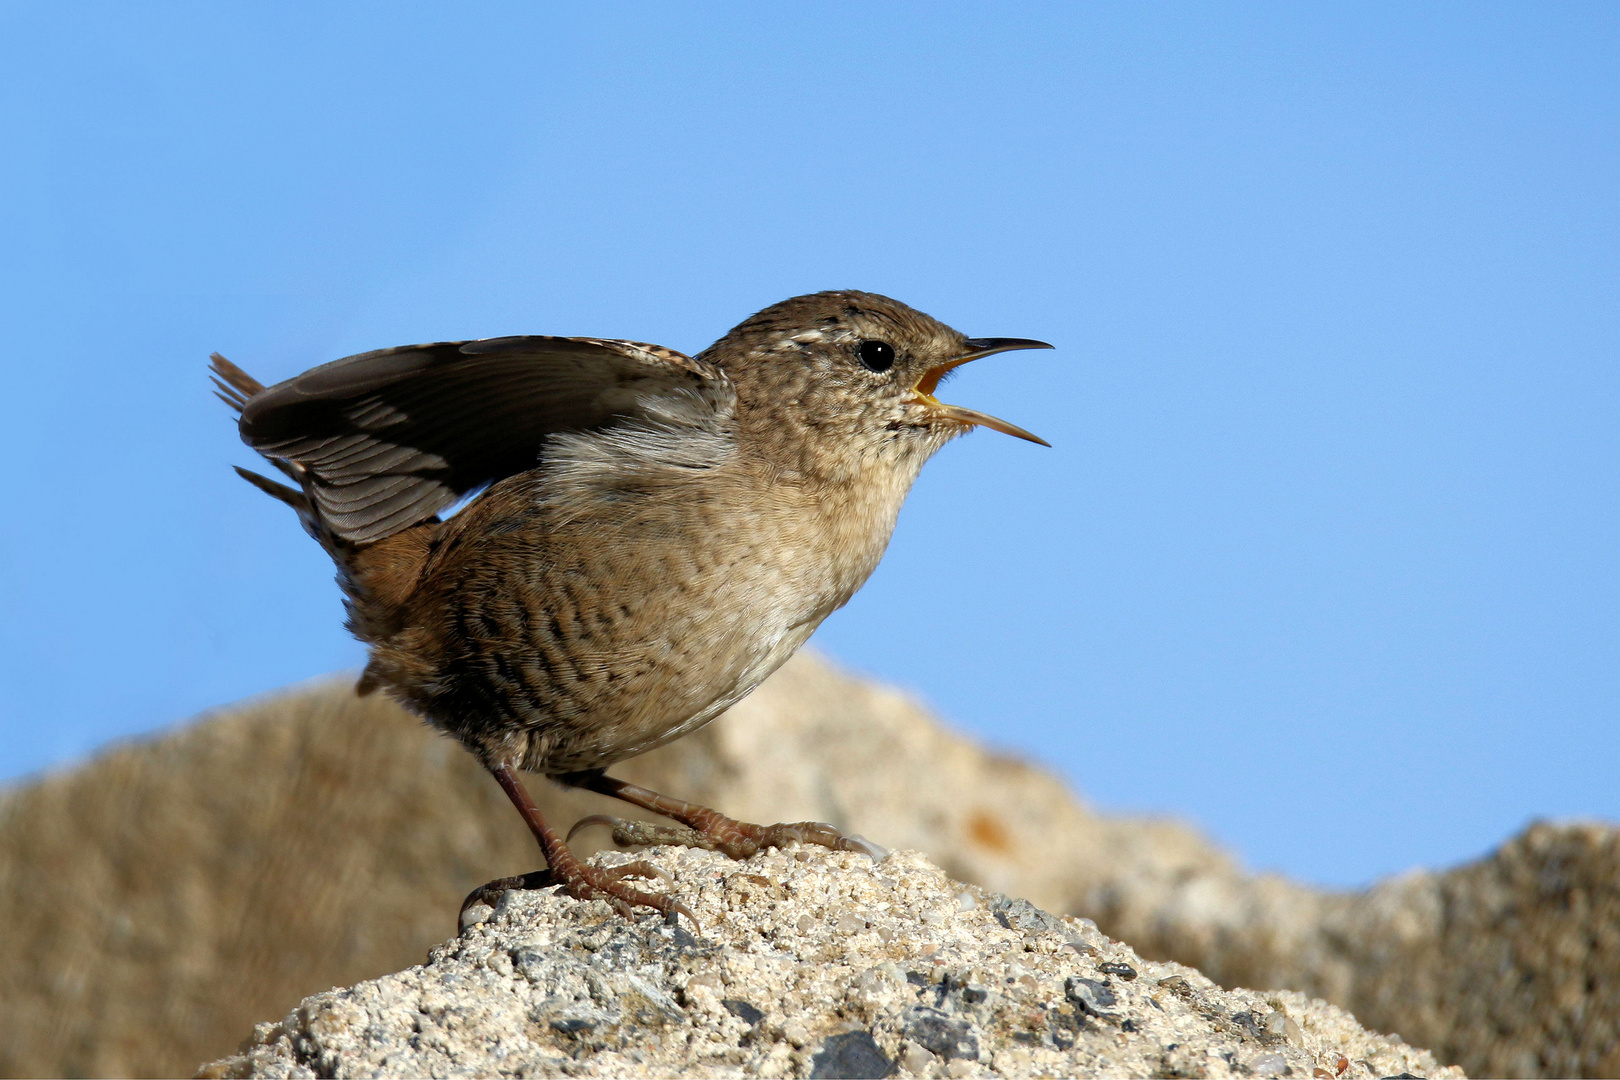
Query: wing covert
[[391, 437]]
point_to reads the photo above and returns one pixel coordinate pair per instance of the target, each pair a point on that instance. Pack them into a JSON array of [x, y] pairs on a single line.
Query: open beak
[[923, 392]]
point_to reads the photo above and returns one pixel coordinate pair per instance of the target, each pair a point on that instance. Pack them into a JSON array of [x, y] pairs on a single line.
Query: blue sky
[[1323, 558]]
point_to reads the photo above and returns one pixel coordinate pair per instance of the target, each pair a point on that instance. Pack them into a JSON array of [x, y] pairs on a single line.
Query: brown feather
[[389, 438]]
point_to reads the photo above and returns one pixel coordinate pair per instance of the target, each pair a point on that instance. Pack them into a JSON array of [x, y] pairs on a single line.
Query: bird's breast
[[617, 626]]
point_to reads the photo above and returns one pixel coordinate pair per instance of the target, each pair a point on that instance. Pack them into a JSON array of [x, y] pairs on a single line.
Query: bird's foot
[[580, 880], [713, 831], [740, 839], [586, 882], [627, 833], [490, 891]]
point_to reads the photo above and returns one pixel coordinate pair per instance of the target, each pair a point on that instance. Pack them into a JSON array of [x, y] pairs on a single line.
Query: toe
[[640, 869], [856, 842], [677, 908], [595, 819], [490, 892]]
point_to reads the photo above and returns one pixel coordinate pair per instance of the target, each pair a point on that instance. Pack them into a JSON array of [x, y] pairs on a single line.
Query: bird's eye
[[877, 355]]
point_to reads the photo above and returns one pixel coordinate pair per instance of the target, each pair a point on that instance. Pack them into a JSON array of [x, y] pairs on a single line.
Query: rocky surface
[[163, 898], [1510, 964], [812, 964]]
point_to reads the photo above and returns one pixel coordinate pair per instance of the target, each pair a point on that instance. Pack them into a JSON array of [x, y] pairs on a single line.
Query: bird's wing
[[391, 437]]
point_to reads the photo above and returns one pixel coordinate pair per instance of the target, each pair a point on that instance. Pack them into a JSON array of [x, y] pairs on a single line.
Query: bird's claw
[[737, 839], [607, 883], [857, 842], [811, 832], [590, 883], [489, 892], [640, 869]]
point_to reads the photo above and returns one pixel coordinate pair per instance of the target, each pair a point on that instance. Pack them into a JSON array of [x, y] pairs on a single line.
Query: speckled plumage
[[659, 532]]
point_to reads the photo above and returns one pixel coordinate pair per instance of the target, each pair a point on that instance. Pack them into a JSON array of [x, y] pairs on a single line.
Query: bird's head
[[841, 381]]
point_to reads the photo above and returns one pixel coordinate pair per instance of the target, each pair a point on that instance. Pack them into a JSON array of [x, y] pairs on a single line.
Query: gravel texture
[[813, 964]]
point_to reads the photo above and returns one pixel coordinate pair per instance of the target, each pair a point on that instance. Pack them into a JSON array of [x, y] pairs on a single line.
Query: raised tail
[[376, 577], [234, 387]]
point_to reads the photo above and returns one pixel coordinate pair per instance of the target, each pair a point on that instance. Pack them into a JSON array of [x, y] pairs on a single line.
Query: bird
[[567, 551]]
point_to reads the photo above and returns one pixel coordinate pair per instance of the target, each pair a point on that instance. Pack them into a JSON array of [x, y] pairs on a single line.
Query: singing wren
[[649, 535]]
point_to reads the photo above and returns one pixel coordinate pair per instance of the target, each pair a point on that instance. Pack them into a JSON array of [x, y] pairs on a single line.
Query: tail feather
[[235, 387], [291, 496], [370, 615], [232, 385]]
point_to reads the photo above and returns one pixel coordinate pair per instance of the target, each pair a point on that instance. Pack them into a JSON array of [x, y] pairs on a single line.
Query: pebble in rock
[[808, 964]]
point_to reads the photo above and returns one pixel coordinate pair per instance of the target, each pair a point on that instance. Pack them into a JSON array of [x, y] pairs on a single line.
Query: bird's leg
[[704, 828], [564, 868]]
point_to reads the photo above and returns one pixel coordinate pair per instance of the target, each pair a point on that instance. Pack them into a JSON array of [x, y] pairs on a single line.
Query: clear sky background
[[1323, 558]]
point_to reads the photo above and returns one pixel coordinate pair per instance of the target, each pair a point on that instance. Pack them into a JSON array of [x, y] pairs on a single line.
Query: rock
[[850, 1055], [1509, 966], [550, 986], [166, 895], [161, 899]]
